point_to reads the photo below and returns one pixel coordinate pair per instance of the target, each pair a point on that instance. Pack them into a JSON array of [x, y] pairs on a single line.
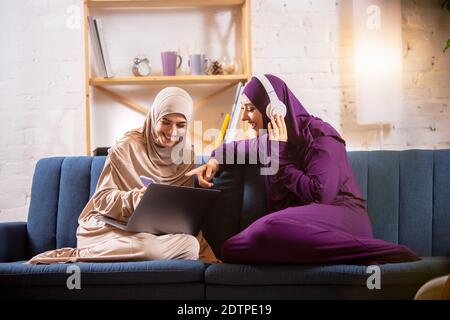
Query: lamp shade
[[378, 60]]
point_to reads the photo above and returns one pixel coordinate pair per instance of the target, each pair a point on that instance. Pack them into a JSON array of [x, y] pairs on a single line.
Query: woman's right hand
[[205, 173]]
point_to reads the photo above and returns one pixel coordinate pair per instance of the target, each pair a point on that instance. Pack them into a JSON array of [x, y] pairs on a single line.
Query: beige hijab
[[162, 164]]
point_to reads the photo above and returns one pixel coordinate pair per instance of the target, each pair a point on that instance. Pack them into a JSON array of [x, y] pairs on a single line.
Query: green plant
[[446, 4]]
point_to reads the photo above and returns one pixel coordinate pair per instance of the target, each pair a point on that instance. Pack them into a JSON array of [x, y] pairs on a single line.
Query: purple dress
[[316, 211]]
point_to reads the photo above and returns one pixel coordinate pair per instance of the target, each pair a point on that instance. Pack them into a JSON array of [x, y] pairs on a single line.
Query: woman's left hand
[[277, 129]]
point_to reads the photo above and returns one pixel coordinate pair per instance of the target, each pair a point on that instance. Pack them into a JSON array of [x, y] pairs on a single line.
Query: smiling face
[[252, 115], [169, 129]]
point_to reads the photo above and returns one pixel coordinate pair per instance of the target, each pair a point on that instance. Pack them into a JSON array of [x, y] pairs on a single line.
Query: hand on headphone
[[277, 129]]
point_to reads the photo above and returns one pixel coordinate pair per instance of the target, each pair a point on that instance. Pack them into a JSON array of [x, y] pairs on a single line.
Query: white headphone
[[276, 105]]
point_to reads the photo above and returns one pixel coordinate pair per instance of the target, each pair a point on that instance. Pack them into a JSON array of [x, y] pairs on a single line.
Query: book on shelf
[[102, 66], [104, 48], [98, 65], [235, 113]]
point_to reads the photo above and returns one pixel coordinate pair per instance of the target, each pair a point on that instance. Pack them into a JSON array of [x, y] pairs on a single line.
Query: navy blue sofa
[[408, 194]]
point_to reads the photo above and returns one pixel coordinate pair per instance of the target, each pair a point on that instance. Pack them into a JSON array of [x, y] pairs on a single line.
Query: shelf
[[161, 3], [106, 85], [168, 80]]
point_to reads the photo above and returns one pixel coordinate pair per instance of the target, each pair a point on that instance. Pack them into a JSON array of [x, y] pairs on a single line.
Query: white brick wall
[[319, 35], [41, 94], [307, 43]]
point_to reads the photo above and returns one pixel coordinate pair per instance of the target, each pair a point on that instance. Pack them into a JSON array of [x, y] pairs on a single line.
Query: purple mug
[[169, 62]]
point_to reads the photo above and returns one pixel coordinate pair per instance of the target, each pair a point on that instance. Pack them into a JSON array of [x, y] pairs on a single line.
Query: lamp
[[378, 61]]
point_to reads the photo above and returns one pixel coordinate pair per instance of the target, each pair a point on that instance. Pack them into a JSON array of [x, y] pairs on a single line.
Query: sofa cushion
[[441, 203], [42, 213], [404, 190], [254, 204], [309, 292], [96, 169], [391, 274], [224, 220], [73, 195], [13, 239], [112, 273]]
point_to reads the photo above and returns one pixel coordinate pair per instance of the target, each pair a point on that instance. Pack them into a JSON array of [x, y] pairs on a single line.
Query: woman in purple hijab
[[316, 211]]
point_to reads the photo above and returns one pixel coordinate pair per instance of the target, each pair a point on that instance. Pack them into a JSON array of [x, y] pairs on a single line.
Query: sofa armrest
[[13, 237]]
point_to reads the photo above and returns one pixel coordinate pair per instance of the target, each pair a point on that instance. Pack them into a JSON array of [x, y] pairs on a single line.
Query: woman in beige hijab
[[155, 151]]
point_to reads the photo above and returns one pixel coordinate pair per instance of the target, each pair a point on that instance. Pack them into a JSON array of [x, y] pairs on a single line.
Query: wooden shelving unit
[[162, 80], [225, 80], [162, 3]]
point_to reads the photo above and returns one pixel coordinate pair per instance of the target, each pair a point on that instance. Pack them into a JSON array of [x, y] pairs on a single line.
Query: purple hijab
[[301, 126], [302, 129]]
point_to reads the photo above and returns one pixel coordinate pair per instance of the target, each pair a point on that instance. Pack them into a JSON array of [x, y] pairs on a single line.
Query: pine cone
[[215, 68]]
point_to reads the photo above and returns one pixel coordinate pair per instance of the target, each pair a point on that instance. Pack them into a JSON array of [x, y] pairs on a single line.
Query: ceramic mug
[[169, 62]]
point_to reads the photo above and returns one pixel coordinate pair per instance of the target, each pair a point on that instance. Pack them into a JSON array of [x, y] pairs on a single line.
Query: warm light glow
[[378, 60]]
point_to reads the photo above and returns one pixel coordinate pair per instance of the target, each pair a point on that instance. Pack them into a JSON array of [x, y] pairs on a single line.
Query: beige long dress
[[119, 190]]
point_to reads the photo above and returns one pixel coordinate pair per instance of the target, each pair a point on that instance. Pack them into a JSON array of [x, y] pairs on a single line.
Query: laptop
[[167, 209]]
